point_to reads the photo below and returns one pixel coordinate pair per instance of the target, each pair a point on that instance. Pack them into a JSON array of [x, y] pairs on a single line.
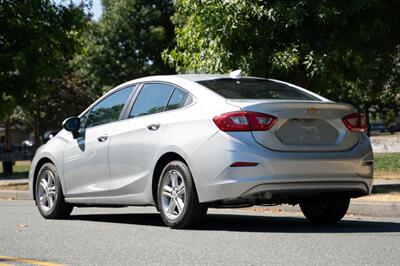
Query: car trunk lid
[[302, 125]]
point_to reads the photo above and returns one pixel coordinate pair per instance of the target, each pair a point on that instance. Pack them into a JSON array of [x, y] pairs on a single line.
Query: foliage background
[[55, 60], [347, 51]]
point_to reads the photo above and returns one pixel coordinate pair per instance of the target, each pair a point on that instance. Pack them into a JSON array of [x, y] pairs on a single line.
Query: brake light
[[244, 121], [355, 122]]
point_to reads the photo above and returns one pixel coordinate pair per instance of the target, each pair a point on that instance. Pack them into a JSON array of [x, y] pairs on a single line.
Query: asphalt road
[[136, 236]]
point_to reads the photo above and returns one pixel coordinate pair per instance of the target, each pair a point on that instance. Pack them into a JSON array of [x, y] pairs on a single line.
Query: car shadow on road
[[251, 223]]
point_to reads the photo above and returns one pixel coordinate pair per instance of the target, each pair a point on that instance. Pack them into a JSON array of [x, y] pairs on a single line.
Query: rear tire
[[325, 210], [177, 198], [48, 194]]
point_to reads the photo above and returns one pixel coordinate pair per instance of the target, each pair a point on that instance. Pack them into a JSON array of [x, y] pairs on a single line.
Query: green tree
[[345, 50], [71, 97], [37, 39], [127, 42]]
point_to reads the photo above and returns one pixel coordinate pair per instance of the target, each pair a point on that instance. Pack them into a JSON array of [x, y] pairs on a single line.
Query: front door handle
[[102, 138], [153, 127]]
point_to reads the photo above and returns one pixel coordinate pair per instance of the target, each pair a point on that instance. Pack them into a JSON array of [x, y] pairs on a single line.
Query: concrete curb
[[15, 195], [375, 209], [19, 181], [359, 208]]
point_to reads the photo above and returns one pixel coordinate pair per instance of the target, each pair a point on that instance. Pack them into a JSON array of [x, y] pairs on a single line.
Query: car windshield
[[246, 88]]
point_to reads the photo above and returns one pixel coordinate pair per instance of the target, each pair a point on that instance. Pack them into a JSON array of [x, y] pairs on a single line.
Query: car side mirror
[[72, 124]]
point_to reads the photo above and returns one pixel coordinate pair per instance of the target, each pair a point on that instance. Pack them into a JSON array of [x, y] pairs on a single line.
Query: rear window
[[255, 89]]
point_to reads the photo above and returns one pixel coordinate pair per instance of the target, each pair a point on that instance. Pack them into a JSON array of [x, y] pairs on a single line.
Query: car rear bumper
[[277, 172]]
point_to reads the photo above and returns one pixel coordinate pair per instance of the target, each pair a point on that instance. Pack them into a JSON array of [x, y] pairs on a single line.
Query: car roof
[[195, 77], [176, 78], [188, 77], [201, 77], [204, 77]]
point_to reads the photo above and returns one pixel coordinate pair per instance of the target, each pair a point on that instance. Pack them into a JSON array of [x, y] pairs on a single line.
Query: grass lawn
[[21, 169], [387, 165]]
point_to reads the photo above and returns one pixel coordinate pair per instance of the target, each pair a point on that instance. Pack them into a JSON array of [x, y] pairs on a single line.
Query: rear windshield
[[255, 89]]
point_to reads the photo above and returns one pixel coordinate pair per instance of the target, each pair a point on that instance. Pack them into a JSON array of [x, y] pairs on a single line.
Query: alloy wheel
[[173, 195], [47, 190]]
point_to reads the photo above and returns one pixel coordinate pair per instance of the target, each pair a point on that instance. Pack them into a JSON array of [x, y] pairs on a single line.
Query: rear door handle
[[102, 138], [153, 126]]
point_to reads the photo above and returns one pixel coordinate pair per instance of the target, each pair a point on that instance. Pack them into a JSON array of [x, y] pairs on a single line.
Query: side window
[[177, 99], [109, 109], [189, 100], [152, 99]]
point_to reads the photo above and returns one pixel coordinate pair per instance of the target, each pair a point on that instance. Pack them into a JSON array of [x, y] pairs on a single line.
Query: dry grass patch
[[387, 175], [383, 193], [13, 186], [389, 197]]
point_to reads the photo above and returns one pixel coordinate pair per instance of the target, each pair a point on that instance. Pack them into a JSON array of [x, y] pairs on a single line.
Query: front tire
[[48, 194], [325, 210], [177, 198]]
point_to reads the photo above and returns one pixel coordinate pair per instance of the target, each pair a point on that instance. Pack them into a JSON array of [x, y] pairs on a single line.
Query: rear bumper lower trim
[[315, 187]]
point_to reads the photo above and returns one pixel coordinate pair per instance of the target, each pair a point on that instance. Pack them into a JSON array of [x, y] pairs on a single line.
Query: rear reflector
[[244, 121], [243, 164], [368, 163], [355, 122]]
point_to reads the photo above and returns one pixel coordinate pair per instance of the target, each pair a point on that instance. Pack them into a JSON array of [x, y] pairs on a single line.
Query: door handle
[[153, 127], [102, 138]]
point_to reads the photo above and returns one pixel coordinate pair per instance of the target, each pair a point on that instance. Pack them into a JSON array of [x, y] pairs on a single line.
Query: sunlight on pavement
[[8, 259]]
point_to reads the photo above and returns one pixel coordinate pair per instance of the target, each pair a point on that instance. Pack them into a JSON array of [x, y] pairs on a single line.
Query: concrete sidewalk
[[384, 182], [358, 208], [15, 195]]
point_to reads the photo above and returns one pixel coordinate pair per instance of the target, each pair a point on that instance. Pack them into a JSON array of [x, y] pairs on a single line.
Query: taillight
[[355, 122], [244, 121]]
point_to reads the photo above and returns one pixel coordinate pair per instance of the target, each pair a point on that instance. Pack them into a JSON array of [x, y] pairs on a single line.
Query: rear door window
[[177, 99], [152, 98]]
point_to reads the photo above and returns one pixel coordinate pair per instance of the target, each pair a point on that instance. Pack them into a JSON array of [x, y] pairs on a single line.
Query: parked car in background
[[28, 143], [184, 143], [48, 135], [379, 127]]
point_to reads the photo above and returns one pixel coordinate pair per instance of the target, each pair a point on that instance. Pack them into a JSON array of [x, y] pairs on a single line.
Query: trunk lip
[[280, 101], [245, 100], [244, 104]]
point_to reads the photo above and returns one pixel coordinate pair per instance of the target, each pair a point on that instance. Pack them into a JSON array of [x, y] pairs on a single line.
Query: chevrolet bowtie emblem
[[312, 111]]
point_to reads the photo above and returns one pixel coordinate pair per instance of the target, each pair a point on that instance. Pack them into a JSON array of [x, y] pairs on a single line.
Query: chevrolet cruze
[[184, 143]]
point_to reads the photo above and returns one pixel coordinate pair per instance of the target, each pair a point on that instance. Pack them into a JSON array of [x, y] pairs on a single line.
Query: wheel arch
[[39, 165], [161, 163]]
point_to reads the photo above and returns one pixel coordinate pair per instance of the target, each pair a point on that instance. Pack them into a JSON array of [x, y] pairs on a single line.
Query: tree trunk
[[366, 112], [36, 130], [7, 168], [7, 165]]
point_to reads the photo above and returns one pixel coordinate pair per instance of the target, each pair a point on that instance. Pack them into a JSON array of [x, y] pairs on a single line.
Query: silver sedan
[[184, 143]]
